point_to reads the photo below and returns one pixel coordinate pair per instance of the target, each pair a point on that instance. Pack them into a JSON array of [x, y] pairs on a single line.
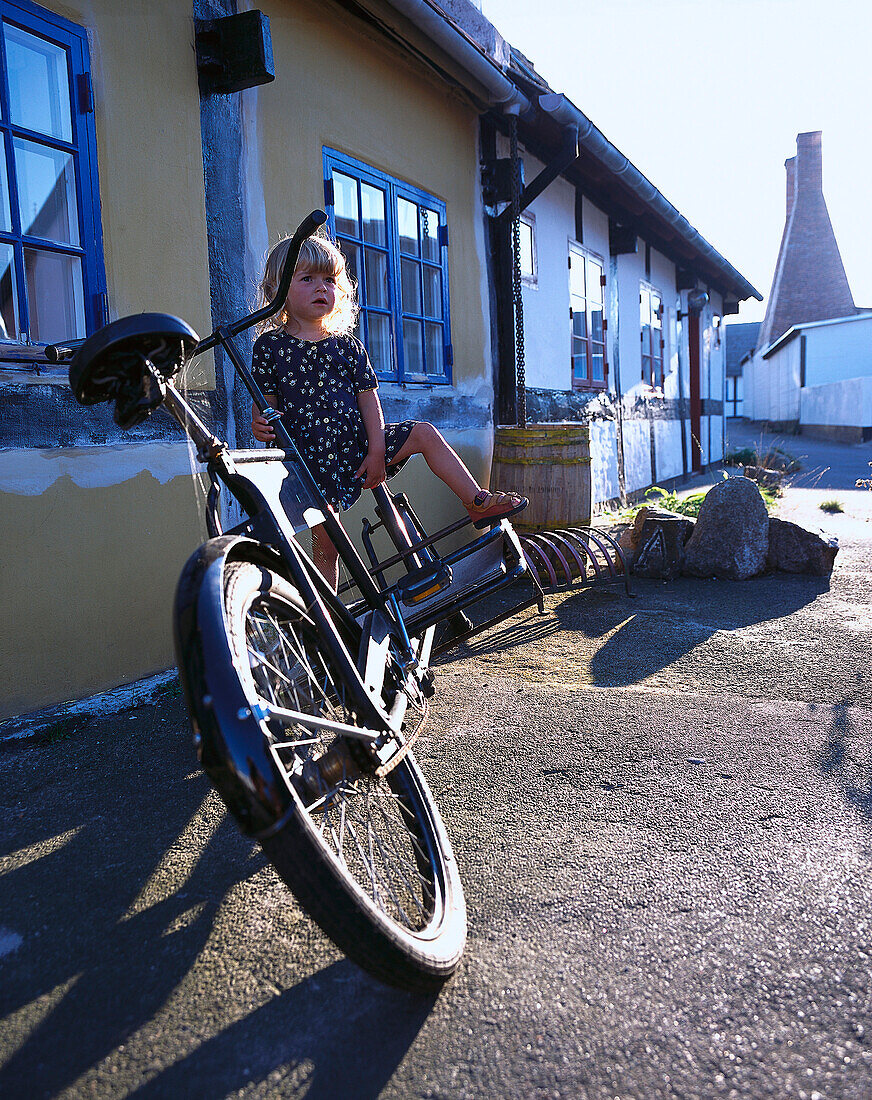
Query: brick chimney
[[810, 283]]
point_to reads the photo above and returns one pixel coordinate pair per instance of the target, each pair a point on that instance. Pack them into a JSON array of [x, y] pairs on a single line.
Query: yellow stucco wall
[[89, 569], [88, 577]]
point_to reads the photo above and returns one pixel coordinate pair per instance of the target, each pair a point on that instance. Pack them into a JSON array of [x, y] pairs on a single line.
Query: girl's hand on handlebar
[[372, 470], [261, 429]]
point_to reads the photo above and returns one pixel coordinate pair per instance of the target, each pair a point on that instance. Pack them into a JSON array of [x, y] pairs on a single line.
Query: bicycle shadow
[[116, 870], [336, 1033]]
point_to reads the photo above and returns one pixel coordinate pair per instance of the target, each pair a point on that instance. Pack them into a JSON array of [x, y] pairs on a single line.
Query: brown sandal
[[486, 508]]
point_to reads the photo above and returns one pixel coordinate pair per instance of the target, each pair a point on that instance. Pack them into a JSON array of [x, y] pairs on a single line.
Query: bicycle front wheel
[[366, 857]]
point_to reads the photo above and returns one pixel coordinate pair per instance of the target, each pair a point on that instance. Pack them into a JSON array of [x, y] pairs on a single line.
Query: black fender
[[229, 739]]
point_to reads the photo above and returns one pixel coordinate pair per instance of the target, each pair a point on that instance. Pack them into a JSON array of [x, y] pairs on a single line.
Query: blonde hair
[[320, 256]]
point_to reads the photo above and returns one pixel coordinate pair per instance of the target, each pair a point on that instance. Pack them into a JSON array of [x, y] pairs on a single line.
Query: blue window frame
[[395, 239], [52, 281]]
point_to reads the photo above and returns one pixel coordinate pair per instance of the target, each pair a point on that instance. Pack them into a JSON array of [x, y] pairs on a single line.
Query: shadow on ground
[[116, 860], [629, 639]]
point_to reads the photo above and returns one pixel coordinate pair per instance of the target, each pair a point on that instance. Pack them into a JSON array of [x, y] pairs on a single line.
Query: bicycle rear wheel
[[366, 857]]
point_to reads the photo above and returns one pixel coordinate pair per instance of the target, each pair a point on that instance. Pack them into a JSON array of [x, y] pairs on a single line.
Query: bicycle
[[304, 705]]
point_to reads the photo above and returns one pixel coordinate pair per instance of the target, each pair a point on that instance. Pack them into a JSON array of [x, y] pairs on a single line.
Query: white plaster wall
[[837, 351], [847, 402], [637, 454], [604, 461], [667, 449], [595, 224], [630, 272], [546, 306], [772, 385]]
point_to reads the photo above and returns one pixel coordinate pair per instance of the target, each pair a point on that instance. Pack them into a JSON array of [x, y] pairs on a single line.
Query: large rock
[[793, 549], [731, 536]]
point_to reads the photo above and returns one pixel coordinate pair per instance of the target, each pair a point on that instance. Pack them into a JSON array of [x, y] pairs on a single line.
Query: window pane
[[596, 323], [412, 347], [430, 234], [372, 201], [435, 362], [39, 91], [380, 343], [55, 298], [432, 292], [9, 329], [351, 252], [410, 276], [407, 214], [644, 307], [5, 210], [376, 278], [46, 192], [526, 249], [579, 366], [345, 208], [579, 323], [597, 362], [576, 275], [594, 284]]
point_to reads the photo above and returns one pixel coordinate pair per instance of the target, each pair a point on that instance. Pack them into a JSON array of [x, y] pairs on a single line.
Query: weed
[[831, 506], [770, 458], [62, 729]]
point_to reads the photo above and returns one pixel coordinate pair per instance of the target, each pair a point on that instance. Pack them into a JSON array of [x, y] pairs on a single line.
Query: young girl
[[318, 375]]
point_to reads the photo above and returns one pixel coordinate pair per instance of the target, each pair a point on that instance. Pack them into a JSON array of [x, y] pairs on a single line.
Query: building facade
[[138, 181]]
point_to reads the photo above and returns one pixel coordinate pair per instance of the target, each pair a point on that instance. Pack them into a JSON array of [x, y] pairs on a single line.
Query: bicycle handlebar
[[58, 353]]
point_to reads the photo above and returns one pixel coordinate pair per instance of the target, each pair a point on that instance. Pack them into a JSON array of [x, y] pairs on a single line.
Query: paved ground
[[662, 808]]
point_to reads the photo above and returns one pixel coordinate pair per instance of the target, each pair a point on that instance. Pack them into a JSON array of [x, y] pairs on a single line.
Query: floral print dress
[[316, 384]]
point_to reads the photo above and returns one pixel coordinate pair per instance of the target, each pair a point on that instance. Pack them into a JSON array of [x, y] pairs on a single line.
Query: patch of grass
[[770, 458], [685, 506], [62, 729], [831, 506]]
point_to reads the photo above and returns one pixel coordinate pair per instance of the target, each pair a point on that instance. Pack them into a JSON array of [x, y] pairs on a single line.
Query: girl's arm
[[260, 428], [372, 469]]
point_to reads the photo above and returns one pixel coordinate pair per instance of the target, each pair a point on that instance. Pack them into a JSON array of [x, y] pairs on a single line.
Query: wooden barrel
[[550, 465]]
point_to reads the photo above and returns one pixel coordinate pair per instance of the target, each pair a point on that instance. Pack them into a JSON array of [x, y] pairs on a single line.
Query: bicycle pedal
[[420, 584]]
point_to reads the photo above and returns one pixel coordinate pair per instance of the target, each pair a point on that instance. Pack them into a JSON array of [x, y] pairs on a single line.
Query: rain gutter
[[502, 94], [593, 141]]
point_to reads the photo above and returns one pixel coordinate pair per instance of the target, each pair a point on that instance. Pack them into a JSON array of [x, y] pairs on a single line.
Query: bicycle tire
[[367, 858]]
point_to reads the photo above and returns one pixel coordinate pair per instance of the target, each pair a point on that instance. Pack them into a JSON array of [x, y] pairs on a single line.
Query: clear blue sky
[[706, 98]]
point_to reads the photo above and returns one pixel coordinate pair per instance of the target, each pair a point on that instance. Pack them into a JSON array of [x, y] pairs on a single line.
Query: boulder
[[731, 536], [793, 549], [660, 547]]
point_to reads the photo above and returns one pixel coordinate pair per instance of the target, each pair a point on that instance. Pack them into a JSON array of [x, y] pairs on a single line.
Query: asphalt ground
[[662, 810]]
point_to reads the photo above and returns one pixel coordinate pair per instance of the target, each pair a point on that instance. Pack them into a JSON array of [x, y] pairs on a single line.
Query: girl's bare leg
[[445, 463], [325, 556]]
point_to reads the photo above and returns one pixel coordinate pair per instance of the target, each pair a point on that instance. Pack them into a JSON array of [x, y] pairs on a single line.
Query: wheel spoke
[[362, 821]]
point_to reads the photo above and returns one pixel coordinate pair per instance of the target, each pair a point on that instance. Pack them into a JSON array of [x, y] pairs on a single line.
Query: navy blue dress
[[316, 386]]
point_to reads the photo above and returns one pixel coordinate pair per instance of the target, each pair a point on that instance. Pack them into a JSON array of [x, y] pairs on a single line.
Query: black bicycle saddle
[[111, 364]]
